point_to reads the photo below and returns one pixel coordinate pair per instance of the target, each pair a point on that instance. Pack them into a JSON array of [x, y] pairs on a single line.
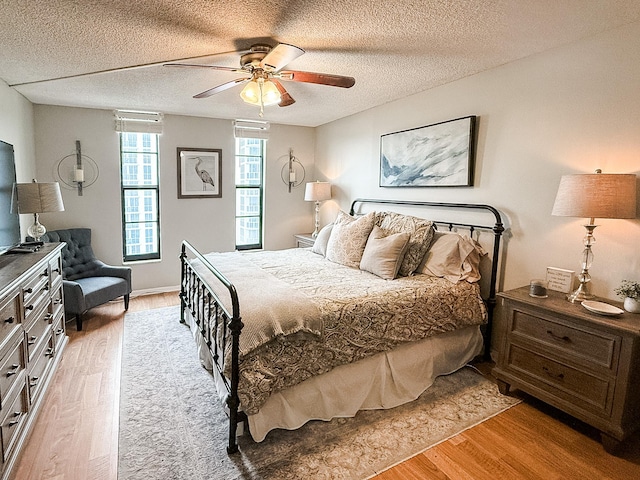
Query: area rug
[[172, 427]]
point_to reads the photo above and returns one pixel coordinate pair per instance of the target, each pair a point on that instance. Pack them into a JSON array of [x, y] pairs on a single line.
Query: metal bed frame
[[221, 327]]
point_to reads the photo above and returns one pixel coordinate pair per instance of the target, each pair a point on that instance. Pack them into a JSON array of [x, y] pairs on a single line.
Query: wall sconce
[[38, 198], [593, 196], [292, 172], [317, 192], [77, 171]]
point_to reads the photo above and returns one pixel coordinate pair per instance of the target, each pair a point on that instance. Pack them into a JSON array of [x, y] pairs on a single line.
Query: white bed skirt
[[383, 381]]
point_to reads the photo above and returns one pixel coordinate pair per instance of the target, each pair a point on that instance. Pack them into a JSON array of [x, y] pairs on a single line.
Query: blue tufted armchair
[[87, 282]]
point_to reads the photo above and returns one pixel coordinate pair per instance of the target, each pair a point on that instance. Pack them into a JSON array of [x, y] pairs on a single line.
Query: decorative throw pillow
[[348, 238], [421, 232], [454, 257], [383, 253], [320, 245]]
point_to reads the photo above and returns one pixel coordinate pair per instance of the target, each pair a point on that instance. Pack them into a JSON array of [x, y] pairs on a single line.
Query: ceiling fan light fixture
[[260, 92]]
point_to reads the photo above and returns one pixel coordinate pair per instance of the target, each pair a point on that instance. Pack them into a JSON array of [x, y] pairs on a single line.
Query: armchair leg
[[79, 322], [126, 302]]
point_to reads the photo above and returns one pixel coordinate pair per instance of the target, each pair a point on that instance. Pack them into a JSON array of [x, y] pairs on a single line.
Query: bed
[[366, 319]]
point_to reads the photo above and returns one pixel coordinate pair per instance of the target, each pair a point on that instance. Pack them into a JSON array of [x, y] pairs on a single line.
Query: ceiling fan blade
[[280, 56], [199, 65], [221, 88], [286, 99], [320, 78]]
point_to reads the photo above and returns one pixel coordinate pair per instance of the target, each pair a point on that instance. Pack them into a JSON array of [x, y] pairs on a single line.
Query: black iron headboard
[[497, 228]]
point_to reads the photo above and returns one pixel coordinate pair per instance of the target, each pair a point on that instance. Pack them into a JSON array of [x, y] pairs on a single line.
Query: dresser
[[583, 363], [32, 338]]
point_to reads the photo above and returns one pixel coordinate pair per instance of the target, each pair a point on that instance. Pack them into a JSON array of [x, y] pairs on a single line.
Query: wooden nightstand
[[304, 240], [585, 364]]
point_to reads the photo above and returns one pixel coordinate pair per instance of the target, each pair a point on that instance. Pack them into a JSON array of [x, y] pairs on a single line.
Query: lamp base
[[580, 294], [36, 230]]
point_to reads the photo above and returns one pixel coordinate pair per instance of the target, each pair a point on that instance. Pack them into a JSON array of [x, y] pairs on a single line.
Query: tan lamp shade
[[37, 197], [597, 195], [317, 191]]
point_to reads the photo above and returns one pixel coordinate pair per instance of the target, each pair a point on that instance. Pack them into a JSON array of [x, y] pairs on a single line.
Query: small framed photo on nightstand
[[559, 279]]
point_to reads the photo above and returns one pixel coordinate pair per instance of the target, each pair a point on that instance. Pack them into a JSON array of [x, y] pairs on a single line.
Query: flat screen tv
[[9, 220]]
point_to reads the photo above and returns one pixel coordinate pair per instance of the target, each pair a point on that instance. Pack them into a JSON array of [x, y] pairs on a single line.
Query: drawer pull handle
[[14, 369], [29, 307], [32, 340], [48, 317], [34, 381], [559, 376], [49, 352], [9, 320], [564, 339], [28, 290], [56, 270], [57, 301], [60, 331], [16, 420]]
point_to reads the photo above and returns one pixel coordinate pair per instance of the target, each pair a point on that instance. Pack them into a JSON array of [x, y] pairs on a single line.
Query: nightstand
[[582, 363], [304, 240]]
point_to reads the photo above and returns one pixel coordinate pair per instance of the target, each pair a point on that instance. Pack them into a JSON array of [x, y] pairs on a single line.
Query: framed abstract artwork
[[438, 155], [199, 172]]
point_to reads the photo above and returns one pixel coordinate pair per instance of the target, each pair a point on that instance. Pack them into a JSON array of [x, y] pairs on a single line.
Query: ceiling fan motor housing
[[255, 55]]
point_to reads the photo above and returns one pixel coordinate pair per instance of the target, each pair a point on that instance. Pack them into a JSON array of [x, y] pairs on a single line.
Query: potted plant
[[630, 291]]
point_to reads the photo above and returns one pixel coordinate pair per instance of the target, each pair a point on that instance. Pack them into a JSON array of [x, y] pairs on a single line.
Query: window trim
[[259, 187]]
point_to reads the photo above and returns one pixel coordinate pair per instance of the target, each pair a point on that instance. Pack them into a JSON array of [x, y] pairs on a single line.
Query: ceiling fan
[[261, 67]]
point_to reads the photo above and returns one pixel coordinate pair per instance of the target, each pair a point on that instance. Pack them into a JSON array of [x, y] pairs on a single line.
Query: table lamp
[[38, 198], [594, 196], [317, 192]]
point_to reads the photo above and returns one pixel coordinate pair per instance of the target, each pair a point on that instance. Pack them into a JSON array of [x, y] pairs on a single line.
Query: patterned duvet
[[362, 315]]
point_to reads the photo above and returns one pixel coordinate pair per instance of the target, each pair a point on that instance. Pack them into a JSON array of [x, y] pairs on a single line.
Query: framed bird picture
[[199, 172]]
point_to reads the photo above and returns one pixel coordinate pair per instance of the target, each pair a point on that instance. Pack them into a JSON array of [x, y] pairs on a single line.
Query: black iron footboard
[[219, 327]]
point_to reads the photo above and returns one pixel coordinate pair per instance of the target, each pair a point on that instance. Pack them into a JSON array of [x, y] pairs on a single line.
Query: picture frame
[[437, 155], [199, 172], [560, 279]]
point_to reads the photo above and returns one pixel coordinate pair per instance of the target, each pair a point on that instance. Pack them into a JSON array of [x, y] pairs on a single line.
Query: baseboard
[[151, 291]]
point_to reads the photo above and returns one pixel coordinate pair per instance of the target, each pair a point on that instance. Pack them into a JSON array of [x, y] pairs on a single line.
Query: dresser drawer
[[35, 294], [37, 331], [590, 347], [59, 332], [9, 315], [581, 388], [13, 416], [57, 304], [38, 367], [12, 365], [55, 269]]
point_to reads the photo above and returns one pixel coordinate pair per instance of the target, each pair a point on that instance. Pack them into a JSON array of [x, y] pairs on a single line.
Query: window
[[140, 196], [250, 155]]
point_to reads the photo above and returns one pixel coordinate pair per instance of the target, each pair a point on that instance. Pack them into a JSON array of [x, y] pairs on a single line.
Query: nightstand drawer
[[581, 388], [591, 346]]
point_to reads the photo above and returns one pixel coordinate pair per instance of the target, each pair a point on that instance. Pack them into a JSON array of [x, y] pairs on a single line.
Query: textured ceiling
[[392, 48]]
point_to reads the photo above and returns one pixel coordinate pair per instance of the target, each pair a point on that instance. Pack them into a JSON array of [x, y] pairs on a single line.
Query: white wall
[[207, 223], [16, 128], [571, 110]]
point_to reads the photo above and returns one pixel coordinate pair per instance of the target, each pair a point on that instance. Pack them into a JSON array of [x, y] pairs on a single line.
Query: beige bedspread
[[361, 315]]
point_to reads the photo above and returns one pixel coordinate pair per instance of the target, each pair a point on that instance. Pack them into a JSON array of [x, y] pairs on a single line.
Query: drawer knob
[[29, 307], [9, 320], [32, 340], [60, 331], [34, 381], [48, 317], [559, 376], [28, 290], [56, 270], [14, 369], [564, 339], [49, 352]]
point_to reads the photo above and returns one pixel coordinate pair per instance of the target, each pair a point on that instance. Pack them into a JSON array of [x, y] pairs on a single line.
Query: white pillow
[[320, 245], [454, 257], [383, 253], [348, 238]]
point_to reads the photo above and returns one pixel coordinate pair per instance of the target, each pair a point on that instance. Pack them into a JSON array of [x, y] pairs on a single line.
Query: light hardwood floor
[[76, 435]]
